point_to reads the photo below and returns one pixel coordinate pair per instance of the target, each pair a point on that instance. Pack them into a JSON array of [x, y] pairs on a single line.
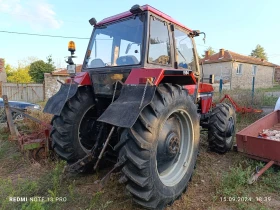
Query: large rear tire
[[74, 131], [161, 148], [222, 128]]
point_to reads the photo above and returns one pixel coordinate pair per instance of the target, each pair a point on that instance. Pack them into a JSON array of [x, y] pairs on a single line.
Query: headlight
[[36, 107]]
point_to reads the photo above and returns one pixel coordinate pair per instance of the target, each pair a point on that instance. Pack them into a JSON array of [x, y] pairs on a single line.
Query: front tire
[[222, 126], [161, 148]]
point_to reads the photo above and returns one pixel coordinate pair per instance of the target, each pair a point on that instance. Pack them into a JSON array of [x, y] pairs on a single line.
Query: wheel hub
[[174, 147], [172, 144]]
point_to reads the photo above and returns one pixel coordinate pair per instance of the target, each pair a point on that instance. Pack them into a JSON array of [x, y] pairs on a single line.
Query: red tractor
[[139, 102]]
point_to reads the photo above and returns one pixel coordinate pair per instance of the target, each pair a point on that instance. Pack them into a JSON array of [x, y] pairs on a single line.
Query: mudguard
[[125, 110], [56, 103]]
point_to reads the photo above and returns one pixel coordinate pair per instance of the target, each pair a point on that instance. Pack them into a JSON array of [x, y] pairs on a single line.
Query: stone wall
[[3, 76], [220, 70], [52, 86], [264, 76], [277, 75]]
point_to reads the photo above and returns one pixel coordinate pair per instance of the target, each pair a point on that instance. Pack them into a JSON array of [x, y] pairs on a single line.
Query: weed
[[275, 88], [8, 150], [95, 200], [56, 179], [245, 97], [29, 126], [269, 100], [38, 205], [234, 181], [4, 134], [104, 206], [71, 190]]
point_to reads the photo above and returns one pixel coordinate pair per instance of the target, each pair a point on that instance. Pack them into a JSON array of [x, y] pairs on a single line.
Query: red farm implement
[[38, 143], [252, 143], [239, 108]]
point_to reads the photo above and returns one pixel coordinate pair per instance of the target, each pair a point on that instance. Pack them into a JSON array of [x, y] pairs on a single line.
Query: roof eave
[[261, 64]]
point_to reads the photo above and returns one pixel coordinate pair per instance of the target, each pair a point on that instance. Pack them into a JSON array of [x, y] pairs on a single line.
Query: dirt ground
[[219, 183]]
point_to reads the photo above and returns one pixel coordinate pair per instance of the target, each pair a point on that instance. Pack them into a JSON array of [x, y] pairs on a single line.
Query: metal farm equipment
[[253, 144], [139, 103], [238, 108], [38, 143]]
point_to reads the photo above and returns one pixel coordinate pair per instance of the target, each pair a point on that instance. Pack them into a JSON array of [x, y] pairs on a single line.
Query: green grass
[[4, 134], [244, 98], [47, 186], [275, 88], [234, 185], [49, 181], [269, 101]]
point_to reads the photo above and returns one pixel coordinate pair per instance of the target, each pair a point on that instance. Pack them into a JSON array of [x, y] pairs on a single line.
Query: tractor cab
[[142, 37]]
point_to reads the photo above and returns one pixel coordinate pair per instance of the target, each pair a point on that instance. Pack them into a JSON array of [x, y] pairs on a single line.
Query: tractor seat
[[127, 60], [95, 63]]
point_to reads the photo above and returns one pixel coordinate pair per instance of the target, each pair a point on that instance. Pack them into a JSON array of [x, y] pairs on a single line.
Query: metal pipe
[[255, 176], [253, 90], [104, 147], [10, 121], [30, 117]]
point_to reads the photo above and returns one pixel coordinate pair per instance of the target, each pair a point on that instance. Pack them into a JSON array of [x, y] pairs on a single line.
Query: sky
[[237, 25]]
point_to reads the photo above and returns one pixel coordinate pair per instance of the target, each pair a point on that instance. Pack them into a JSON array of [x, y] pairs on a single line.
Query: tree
[[211, 51], [50, 60], [259, 52], [18, 74], [38, 68]]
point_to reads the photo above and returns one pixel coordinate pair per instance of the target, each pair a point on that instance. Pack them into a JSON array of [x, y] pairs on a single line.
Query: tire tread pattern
[[137, 150], [217, 128]]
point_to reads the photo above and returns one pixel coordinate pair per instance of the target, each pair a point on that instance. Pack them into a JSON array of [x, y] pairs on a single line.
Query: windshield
[[117, 44]]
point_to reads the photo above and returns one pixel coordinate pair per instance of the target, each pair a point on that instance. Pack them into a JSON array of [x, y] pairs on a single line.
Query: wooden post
[[10, 122], [1, 92]]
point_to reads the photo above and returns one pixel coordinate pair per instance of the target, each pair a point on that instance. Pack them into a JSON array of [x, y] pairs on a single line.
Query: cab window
[[159, 45], [184, 50]]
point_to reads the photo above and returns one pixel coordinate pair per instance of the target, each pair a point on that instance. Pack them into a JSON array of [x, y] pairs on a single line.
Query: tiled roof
[[63, 72], [232, 56]]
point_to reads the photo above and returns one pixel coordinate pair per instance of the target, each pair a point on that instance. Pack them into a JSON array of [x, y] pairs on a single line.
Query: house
[[237, 71], [51, 80], [3, 76], [277, 74]]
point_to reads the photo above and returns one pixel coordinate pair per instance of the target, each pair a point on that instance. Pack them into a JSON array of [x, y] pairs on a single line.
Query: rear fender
[[125, 110], [56, 103]]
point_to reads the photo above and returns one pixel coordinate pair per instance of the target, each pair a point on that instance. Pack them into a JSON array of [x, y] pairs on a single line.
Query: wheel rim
[[175, 148], [18, 117], [87, 129], [230, 130]]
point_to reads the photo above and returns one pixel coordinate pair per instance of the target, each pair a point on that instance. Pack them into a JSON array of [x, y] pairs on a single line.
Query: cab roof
[[145, 8]]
